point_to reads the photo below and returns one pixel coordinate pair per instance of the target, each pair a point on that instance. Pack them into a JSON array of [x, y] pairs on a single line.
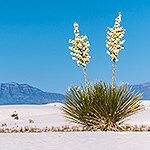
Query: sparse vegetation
[[4, 125], [126, 127], [15, 115], [31, 121], [104, 107]]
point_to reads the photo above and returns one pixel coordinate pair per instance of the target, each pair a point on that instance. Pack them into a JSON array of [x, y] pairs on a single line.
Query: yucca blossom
[[115, 43], [80, 51]]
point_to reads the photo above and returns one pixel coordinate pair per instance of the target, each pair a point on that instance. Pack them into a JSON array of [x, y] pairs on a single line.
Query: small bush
[[31, 121], [103, 108], [15, 115]]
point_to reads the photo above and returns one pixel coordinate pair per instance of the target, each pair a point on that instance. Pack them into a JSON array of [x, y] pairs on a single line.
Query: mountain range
[[143, 88], [14, 93]]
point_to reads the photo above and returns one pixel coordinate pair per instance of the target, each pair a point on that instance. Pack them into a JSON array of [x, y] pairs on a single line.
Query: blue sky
[[34, 41]]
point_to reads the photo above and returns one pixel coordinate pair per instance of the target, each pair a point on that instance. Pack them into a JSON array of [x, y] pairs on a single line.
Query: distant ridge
[[143, 88], [14, 93]]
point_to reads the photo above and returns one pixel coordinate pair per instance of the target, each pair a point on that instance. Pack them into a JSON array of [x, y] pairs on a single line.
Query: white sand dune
[[75, 141], [50, 115], [43, 115], [142, 117]]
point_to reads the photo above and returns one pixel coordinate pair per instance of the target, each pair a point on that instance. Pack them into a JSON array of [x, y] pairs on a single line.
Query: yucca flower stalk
[[115, 44], [80, 51]]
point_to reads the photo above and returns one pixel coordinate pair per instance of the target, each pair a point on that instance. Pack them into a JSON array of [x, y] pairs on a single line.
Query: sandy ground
[[75, 141], [42, 115], [50, 115]]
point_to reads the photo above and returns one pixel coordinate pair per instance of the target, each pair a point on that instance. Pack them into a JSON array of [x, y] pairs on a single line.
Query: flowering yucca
[[80, 47], [80, 50], [114, 42]]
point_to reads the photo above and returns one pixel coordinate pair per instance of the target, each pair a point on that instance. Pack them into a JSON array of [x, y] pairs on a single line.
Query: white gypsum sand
[[75, 141], [50, 115], [40, 116]]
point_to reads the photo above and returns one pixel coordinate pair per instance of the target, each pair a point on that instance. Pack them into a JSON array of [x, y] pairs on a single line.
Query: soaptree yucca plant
[[115, 104], [104, 107], [80, 51], [114, 43], [77, 107]]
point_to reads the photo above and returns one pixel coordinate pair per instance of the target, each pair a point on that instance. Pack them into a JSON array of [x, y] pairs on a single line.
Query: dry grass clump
[[124, 128], [136, 128], [27, 129]]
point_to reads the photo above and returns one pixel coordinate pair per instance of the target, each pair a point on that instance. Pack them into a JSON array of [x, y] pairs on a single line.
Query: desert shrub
[[31, 121], [15, 115], [104, 107], [4, 125]]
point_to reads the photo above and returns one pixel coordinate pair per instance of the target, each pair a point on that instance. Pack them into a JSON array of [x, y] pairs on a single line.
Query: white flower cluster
[[114, 42], [80, 48]]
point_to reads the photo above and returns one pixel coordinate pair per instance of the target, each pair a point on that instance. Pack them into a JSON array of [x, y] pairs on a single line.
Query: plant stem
[[85, 78], [113, 74]]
